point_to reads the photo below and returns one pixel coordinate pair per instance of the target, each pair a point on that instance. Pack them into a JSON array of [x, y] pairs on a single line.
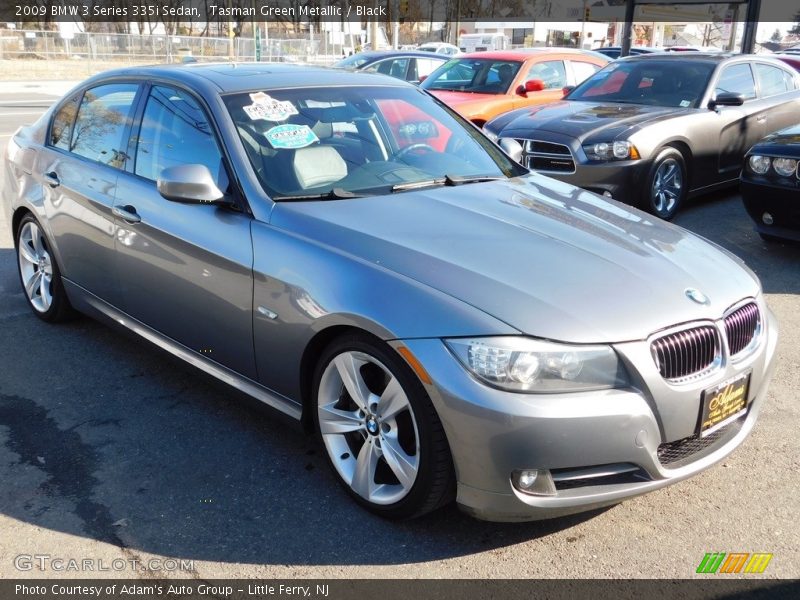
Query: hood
[[468, 104], [581, 119], [549, 259]]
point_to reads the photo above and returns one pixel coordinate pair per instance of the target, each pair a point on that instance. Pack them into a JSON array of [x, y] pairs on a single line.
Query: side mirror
[[726, 99], [422, 78], [511, 147], [567, 89], [192, 184], [532, 85]]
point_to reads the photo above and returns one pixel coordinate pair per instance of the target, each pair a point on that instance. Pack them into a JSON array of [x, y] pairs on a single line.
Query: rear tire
[[382, 436], [39, 274]]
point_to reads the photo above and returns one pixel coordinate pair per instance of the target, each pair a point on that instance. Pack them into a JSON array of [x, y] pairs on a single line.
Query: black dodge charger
[[653, 130], [770, 185]]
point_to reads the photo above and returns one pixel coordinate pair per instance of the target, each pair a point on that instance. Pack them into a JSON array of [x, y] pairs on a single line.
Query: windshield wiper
[[334, 194], [447, 180], [461, 180]]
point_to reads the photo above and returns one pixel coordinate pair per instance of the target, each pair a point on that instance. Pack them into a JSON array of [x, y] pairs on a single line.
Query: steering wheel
[[410, 147]]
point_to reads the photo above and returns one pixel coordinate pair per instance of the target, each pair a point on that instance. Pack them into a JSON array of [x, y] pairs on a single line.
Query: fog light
[[767, 218], [537, 482]]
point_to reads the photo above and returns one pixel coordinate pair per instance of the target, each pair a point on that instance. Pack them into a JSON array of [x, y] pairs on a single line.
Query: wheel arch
[[310, 358], [16, 221], [686, 151]]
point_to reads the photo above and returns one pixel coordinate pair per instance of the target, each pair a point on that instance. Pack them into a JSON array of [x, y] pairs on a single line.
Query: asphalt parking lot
[[111, 449]]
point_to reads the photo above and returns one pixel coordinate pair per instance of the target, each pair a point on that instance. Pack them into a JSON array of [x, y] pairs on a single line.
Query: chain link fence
[[32, 54]]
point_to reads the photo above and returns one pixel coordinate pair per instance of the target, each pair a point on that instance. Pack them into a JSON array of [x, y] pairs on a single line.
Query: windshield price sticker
[[266, 108], [288, 137]]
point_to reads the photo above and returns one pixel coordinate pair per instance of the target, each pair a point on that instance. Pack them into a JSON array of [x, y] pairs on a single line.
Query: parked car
[[614, 52], [793, 60], [653, 130], [439, 48], [770, 185], [482, 85], [410, 66], [344, 248]]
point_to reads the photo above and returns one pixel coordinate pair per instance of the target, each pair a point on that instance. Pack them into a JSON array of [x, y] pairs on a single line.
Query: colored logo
[[696, 296], [734, 562]]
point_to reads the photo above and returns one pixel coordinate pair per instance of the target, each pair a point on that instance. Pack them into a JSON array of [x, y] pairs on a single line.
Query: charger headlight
[[522, 364], [619, 150]]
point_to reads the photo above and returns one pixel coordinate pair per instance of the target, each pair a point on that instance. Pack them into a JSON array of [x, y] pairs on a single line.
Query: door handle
[[51, 179], [126, 213], [761, 119]]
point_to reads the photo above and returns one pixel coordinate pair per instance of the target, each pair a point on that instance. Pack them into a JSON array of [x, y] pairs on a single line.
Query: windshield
[[352, 62], [668, 83], [476, 75], [359, 140]]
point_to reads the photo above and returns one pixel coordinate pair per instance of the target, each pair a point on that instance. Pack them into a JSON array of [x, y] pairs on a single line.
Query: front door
[[184, 269]]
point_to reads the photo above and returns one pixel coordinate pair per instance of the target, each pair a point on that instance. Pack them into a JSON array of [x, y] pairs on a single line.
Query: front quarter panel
[[302, 287]]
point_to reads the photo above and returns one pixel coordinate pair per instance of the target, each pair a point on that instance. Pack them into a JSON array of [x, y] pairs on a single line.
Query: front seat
[[316, 166]]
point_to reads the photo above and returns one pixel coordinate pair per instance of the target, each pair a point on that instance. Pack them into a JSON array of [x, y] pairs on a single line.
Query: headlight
[[521, 364], [784, 166], [759, 164], [622, 150]]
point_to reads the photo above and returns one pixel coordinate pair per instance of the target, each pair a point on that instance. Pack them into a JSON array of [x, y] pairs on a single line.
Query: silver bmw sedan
[[348, 250]]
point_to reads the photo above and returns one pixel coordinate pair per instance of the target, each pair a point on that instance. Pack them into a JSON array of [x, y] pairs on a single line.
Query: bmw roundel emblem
[[697, 296]]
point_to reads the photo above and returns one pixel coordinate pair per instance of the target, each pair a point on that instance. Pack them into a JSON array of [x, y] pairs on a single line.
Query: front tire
[[39, 273], [666, 186], [379, 429]]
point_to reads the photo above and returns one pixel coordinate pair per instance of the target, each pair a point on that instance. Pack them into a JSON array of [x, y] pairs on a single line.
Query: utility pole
[[373, 28], [627, 32]]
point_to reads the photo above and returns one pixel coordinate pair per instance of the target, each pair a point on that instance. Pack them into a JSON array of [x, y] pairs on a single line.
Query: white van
[[482, 42]]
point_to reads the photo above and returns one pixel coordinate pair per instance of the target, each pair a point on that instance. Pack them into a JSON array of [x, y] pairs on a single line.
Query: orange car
[[482, 85]]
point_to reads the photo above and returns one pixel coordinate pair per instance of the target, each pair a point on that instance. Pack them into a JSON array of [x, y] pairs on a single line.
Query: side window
[[426, 66], [737, 79], [552, 72], [61, 129], [772, 80], [395, 68], [175, 131], [102, 117], [583, 70]]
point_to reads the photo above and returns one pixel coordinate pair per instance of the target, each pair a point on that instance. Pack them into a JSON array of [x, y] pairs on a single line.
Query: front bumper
[[780, 201], [622, 179], [493, 433]]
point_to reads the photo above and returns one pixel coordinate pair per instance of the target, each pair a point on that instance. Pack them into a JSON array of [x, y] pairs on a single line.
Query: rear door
[[185, 269], [80, 166], [777, 87]]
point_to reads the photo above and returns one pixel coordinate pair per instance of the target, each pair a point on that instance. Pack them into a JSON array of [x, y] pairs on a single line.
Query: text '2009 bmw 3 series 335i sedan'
[[351, 252]]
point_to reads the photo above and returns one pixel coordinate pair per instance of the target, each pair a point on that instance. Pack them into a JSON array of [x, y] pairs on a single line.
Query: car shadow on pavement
[[775, 263], [106, 437]]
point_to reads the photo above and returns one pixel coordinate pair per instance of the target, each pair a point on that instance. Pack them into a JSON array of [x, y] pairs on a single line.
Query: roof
[[378, 54], [241, 77], [715, 57], [521, 54]]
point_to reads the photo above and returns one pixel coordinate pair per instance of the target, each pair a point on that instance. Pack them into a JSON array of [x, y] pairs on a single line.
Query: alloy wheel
[[368, 427], [36, 267], [667, 186]]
